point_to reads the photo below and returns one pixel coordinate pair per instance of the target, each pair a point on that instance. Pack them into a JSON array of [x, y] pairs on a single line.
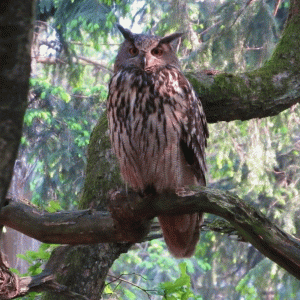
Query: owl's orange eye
[[157, 52], [133, 51]]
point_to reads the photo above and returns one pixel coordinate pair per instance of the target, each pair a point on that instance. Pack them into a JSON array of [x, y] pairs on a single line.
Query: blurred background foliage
[[75, 43]]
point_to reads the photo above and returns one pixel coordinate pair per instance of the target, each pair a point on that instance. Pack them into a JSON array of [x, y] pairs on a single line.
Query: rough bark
[[15, 40]]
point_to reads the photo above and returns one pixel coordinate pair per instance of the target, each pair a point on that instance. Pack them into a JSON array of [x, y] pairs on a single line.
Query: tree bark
[[15, 39], [129, 212], [16, 19]]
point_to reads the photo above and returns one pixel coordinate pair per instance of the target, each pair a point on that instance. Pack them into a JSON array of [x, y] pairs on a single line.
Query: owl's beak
[[143, 61]]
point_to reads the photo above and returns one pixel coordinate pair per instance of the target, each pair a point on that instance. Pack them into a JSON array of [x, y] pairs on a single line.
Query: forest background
[[74, 46]]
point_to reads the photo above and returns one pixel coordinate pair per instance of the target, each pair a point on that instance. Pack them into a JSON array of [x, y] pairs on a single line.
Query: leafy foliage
[[56, 135], [180, 288], [35, 260]]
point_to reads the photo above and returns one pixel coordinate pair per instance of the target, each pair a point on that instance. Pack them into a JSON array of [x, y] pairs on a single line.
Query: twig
[[276, 8], [116, 278], [54, 61]]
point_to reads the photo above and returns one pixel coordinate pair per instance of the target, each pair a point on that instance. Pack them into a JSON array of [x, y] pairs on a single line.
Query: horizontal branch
[[227, 97], [129, 217], [259, 93], [67, 227]]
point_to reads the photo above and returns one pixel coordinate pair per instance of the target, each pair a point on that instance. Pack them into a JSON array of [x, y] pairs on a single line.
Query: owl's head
[[145, 51]]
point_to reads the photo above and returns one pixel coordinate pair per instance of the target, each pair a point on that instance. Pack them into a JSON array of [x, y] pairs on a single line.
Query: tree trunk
[[83, 269], [15, 57]]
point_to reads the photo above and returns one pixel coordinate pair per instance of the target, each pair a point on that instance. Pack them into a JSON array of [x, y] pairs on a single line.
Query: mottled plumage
[[158, 128]]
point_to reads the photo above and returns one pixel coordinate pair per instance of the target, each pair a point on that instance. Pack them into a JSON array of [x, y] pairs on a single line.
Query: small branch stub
[[131, 226]]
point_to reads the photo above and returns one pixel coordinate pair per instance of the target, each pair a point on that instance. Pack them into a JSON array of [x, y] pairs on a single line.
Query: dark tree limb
[[79, 59], [95, 227], [15, 39], [12, 286], [9, 282], [71, 227]]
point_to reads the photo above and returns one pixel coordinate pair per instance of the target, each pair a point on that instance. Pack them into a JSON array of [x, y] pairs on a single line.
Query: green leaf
[[53, 206], [108, 289], [43, 95], [16, 271], [65, 97]]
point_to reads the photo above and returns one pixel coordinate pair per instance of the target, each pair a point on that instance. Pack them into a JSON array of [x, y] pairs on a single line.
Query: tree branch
[[260, 93], [79, 59], [129, 212], [66, 227], [12, 286]]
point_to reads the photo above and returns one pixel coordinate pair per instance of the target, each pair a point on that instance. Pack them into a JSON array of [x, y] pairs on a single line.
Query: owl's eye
[[133, 51], [157, 52]]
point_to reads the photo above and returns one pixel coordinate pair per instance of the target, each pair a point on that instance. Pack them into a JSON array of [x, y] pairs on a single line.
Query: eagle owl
[[158, 128]]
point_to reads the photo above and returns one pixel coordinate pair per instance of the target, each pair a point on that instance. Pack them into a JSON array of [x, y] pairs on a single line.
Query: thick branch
[[67, 227], [94, 227], [260, 93]]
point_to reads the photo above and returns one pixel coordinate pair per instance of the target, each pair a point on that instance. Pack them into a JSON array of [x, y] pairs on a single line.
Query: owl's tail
[[181, 233]]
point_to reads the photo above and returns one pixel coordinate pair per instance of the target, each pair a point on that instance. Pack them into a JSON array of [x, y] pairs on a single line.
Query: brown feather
[[181, 233], [158, 132]]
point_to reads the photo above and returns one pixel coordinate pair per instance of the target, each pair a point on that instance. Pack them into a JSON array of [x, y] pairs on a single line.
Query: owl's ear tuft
[[171, 38], [128, 35]]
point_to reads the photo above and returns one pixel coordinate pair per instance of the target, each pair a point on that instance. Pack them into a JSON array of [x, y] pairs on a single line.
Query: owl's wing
[[194, 133]]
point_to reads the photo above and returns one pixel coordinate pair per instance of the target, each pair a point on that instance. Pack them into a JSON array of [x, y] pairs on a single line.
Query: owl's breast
[[146, 113]]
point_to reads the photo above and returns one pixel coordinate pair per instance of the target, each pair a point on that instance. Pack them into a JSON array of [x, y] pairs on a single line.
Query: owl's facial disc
[[146, 51], [150, 58]]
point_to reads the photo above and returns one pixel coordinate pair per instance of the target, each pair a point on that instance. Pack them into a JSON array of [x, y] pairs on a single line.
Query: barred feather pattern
[[158, 132]]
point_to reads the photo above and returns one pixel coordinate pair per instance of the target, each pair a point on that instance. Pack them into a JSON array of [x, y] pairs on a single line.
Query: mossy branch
[[260, 93], [130, 216]]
